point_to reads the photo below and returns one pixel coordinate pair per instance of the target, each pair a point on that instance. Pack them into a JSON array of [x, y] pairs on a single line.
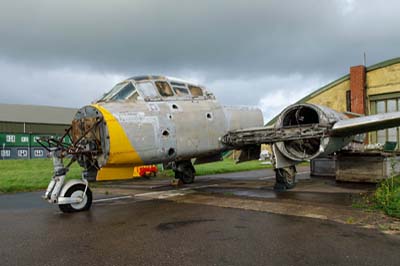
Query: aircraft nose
[[117, 146], [86, 125], [87, 133]]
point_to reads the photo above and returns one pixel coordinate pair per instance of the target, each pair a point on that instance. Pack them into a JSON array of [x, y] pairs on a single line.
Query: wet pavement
[[217, 221], [268, 193]]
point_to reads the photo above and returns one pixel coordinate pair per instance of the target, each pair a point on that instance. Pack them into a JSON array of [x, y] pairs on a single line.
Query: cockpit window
[[134, 96], [124, 92], [147, 90], [195, 91], [112, 92], [181, 91], [164, 89]]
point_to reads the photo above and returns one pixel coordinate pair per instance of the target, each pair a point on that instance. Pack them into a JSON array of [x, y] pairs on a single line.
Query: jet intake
[[309, 117], [302, 132]]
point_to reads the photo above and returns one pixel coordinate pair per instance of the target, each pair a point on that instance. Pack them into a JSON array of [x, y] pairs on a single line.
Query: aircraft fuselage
[[159, 129]]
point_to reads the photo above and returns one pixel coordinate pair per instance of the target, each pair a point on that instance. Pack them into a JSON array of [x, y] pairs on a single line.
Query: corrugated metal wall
[[15, 144], [11, 127], [23, 146]]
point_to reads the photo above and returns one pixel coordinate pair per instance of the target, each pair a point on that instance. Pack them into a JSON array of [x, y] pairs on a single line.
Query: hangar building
[[365, 90], [21, 125]]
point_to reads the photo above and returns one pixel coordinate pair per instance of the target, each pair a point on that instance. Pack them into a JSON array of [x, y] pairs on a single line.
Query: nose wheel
[[184, 171], [83, 193]]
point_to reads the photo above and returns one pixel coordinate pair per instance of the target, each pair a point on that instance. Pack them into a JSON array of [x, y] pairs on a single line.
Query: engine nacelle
[[294, 151]]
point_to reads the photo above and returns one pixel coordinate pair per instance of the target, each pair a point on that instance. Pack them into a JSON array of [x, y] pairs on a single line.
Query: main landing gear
[[285, 178], [184, 171]]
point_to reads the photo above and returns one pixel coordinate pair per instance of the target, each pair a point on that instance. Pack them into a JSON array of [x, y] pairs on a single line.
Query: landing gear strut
[[73, 195], [285, 178], [184, 171]]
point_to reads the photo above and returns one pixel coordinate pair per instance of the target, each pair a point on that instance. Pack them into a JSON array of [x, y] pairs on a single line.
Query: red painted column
[[357, 88]]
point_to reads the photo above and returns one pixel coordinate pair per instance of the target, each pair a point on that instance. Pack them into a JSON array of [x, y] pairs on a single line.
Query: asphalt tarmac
[[137, 231]]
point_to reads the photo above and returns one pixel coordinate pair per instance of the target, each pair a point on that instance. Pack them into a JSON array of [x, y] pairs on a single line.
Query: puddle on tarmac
[[344, 199]]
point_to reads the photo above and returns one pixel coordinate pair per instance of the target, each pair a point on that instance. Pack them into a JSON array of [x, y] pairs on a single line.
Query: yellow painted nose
[[121, 150]]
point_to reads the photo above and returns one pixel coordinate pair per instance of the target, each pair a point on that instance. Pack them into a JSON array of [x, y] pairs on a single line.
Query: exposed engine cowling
[[89, 134], [302, 115]]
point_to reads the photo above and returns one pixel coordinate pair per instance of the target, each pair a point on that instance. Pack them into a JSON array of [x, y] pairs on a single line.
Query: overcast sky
[[263, 53]]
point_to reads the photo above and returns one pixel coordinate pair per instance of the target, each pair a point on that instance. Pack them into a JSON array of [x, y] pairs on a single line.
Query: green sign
[[25, 140]]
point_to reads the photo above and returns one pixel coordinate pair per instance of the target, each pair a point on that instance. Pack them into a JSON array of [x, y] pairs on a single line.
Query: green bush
[[387, 196]]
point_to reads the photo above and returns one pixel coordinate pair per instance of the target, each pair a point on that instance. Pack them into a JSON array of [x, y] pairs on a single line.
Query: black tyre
[[76, 191], [184, 171], [186, 177], [286, 177]]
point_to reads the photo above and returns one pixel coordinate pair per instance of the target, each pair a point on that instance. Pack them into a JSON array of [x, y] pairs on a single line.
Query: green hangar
[[22, 125]]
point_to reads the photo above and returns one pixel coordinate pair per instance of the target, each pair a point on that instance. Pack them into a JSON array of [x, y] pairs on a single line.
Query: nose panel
[[121, 151], [86, 124], [105, 150], [88, 132]]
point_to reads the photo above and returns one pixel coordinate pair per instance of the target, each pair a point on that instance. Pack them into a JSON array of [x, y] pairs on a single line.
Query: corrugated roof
[[36, 114], [338, 81], [346, 77]]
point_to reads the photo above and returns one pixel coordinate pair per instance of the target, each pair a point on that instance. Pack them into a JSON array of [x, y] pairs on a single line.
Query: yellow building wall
[[379, 81], [383, 80], [334, 98]]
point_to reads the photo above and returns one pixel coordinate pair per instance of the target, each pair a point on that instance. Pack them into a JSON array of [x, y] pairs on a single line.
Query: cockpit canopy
[[155, 88]]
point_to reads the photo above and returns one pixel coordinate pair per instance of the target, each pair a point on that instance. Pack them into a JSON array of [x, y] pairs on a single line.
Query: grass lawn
[[226, 166], [30, 175]]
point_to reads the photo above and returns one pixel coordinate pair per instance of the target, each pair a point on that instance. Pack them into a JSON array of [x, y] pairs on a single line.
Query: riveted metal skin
[[156, 129]]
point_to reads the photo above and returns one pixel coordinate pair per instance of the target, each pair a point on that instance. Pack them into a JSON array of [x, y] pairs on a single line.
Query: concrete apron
[[313, 198]]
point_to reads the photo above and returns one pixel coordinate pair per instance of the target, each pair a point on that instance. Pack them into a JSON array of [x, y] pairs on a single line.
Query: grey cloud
[[248, 52], [270, 93], [230, 38], [56, 87]]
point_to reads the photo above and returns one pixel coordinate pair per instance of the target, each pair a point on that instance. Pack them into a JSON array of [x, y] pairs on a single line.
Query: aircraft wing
[[342, 128], [305, 131], [354, 126]]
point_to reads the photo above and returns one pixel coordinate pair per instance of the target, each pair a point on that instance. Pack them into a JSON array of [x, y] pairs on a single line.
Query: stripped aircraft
[[156, 119]]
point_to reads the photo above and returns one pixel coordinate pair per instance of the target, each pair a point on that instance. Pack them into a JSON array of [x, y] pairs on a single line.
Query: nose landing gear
[[73, 195], [80, 192]]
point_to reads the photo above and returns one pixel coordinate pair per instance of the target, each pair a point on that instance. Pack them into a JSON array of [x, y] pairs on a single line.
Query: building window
[[5, 153], [348, 101], [385, 106]]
